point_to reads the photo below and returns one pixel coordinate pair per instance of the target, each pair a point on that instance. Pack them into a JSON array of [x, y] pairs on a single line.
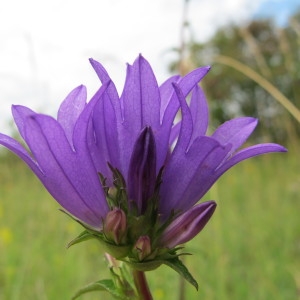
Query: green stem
[[142, 285]]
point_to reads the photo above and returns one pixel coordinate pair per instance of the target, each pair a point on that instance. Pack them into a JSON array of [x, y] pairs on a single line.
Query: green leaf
[[102, 285], [177, 265]]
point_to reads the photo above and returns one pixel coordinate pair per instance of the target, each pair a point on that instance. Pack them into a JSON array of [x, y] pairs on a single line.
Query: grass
[[249, 250]]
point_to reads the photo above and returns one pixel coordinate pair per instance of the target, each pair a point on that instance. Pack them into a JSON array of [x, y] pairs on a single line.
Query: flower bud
[[142, 247], [187, 225], [115, 226], [142, 170]]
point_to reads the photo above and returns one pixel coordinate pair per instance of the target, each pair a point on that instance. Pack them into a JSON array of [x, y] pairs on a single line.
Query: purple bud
[[142, 247], [187, 225], [115, 226], [142, 169]]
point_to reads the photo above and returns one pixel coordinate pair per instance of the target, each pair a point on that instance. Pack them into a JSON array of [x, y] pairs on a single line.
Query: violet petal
[[70, 109], [199, 111], [247, 153], [140, 101], [186, 174], [20, 114], [235, 131], [67, 175], [103, 136]]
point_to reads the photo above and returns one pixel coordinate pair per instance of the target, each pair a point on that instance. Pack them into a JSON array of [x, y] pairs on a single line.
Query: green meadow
[[249, 250]]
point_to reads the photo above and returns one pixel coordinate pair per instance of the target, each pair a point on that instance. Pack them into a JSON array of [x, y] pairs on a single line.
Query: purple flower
[[160, 169]]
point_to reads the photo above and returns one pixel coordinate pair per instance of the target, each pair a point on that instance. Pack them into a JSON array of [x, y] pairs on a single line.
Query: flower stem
[[141, 285]]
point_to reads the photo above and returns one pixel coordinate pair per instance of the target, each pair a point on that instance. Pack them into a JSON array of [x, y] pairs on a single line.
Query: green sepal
[[107, 285], [145, 265], [154, 260], [117, 251], [119, 197], [77, 220], [83, 236], [126, 275], [177, 265]]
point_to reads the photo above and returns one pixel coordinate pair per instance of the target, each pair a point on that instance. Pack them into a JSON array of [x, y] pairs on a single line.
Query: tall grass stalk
[[260, 80]]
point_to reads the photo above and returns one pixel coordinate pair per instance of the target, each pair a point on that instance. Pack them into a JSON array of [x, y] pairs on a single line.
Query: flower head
[[122, 157]]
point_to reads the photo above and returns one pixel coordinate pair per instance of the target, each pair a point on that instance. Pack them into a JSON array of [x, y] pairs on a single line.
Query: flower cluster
[[125, 169]]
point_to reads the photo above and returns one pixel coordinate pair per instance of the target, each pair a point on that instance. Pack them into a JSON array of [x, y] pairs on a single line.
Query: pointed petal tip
[[141, 57], [212, 203], [76, 92], [206, 68], [272, 147], [16, 107], [100, 70], [94, 64], [282, 149], [141, 60], [251, 119], [93, 61]]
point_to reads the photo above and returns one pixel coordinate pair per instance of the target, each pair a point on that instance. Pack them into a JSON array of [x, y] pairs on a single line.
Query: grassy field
[[249, 250]]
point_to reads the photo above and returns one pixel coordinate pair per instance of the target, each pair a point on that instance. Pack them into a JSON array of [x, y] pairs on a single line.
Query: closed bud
[[142, 170], [115, 226], [142, 247], [187, 225]]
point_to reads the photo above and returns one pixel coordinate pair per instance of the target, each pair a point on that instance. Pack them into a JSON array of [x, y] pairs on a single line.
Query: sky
[[45, 45], [279, 9]]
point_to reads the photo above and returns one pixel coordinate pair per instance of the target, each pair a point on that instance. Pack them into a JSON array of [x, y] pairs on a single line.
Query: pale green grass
[[249, 250]]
